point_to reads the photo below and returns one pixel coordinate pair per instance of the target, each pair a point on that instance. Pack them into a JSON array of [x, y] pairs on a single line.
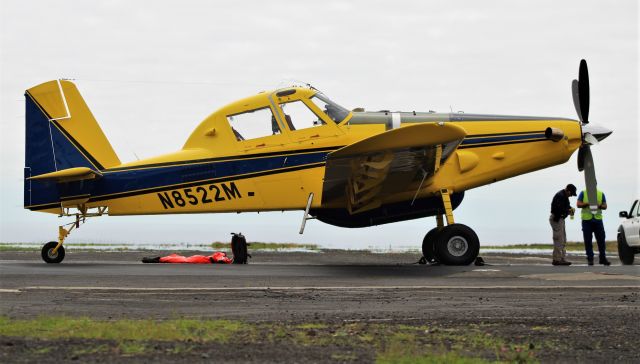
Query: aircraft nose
[[597, 131]]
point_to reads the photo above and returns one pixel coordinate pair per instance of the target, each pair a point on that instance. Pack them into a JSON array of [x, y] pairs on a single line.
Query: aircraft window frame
[[291, 124], [338, 112], [242, 138]]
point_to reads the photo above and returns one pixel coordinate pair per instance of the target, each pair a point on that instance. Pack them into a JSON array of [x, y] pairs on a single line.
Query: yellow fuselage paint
[[476, 164]]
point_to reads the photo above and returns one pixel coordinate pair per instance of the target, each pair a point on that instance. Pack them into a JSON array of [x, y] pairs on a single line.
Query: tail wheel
[[457, 244], [429, 245], [49, 256], [625, 252]]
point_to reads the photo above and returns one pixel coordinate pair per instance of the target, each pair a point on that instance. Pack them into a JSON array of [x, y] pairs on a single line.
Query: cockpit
[[291, 110]]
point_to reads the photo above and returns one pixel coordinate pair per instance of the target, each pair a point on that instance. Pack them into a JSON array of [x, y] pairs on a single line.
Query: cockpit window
[[336, 112], [298, 116], [253, 124]]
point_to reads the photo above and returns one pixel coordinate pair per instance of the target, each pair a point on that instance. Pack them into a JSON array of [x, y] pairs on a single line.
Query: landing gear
[[429, 245], [454, 244], [53, 251], [457, 244], [52, 255]]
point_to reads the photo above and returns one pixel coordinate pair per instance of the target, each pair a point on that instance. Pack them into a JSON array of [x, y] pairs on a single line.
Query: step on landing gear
[[454, 244], [53, 251]]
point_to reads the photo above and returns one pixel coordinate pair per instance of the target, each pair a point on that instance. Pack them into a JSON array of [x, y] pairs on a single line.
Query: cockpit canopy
[[293, 114], [286, 110]]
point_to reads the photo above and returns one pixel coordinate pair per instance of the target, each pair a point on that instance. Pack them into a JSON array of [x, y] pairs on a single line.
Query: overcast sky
[[151, 71]]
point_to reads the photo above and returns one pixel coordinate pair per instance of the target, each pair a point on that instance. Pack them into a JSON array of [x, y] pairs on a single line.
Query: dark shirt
[[560, 205]]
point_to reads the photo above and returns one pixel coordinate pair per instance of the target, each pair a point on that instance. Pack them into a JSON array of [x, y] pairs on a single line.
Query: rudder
[[61, 133]]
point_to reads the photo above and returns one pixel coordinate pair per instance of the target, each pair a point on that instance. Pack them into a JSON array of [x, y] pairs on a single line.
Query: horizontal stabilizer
[[69, 175]]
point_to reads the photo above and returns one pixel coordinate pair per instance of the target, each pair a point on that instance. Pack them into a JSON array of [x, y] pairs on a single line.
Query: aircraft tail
[[61, 133]]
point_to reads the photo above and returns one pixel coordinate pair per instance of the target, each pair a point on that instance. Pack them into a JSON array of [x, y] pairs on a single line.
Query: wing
[[361, 175]]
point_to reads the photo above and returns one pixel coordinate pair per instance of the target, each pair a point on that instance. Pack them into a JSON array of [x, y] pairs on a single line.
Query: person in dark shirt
[[560, 209]]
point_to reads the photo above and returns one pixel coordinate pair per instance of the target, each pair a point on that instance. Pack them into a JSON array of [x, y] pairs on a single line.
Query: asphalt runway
[[301, 286], [558, 314]]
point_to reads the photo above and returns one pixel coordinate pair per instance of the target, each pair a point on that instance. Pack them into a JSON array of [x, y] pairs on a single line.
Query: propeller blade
[[581, 159], [583, 91], [590, 177], [576, 98]]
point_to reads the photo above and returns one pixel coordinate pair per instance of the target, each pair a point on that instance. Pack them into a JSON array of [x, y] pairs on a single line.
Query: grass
[[612, 246], [392, 343], [431, 359], [47, 327], [256, 245], [18, 247], [4, 247]]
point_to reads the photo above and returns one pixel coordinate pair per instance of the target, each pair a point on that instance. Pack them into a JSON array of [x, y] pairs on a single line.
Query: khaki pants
[[559, 238]]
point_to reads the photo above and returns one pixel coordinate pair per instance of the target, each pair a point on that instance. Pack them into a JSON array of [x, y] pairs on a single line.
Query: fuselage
[[218, 171]]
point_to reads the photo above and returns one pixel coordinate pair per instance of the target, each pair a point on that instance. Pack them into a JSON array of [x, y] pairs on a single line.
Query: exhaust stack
[[554, 134]]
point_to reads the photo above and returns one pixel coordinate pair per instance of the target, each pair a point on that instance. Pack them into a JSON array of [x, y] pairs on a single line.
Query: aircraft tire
[[457, 244], [47, 254], [429, 245]]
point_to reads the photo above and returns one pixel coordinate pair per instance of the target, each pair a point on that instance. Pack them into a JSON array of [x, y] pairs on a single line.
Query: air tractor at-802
[[296, 149]]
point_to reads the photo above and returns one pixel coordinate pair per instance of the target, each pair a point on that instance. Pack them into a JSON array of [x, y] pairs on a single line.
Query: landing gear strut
[[53, 251], [454, 244]]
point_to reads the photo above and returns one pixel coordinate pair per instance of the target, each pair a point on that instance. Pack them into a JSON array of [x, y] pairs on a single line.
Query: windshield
[[336, 112]]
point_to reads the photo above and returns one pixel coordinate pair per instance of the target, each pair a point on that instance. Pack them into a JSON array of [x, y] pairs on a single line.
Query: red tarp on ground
[[217, 257]]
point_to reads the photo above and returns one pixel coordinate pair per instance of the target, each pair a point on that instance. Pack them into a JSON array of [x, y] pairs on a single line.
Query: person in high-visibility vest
[[592, 225]]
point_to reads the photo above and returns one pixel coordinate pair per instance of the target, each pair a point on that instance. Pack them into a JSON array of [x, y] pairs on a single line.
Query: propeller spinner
[[591, 134]]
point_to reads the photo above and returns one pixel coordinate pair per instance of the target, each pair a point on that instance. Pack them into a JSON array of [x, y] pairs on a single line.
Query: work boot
[[590, 261], [605, 261], [560, 262]]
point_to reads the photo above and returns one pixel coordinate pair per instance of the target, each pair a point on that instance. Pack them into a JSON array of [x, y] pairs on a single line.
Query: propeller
[[591, 134]]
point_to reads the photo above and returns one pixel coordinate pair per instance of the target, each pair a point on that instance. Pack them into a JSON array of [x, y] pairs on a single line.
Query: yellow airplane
[[295, 149]]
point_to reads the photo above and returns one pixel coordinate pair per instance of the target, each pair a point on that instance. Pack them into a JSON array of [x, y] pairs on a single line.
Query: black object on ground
[[239, 249]]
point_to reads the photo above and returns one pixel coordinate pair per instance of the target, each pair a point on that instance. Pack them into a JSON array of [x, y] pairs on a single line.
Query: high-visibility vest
[[586, 211]]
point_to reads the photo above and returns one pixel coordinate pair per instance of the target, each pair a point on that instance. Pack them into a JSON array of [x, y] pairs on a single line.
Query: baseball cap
[[572, 189]]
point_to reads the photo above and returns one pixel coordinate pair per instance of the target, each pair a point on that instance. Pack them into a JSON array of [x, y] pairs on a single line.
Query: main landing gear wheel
[[457, 244], [429, 245], [49, 256]]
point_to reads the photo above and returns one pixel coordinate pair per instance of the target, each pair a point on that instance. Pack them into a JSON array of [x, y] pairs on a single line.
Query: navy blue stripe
[[198, 183], [497, 139], [227, 158], [141, 181], [499, 134], [134, 182]]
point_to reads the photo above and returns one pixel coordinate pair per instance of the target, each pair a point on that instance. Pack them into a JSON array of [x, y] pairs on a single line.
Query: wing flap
[[359, 176], [407, 137]]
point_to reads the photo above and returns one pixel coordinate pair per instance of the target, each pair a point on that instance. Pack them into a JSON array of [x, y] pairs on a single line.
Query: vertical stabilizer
[[61, 133]]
